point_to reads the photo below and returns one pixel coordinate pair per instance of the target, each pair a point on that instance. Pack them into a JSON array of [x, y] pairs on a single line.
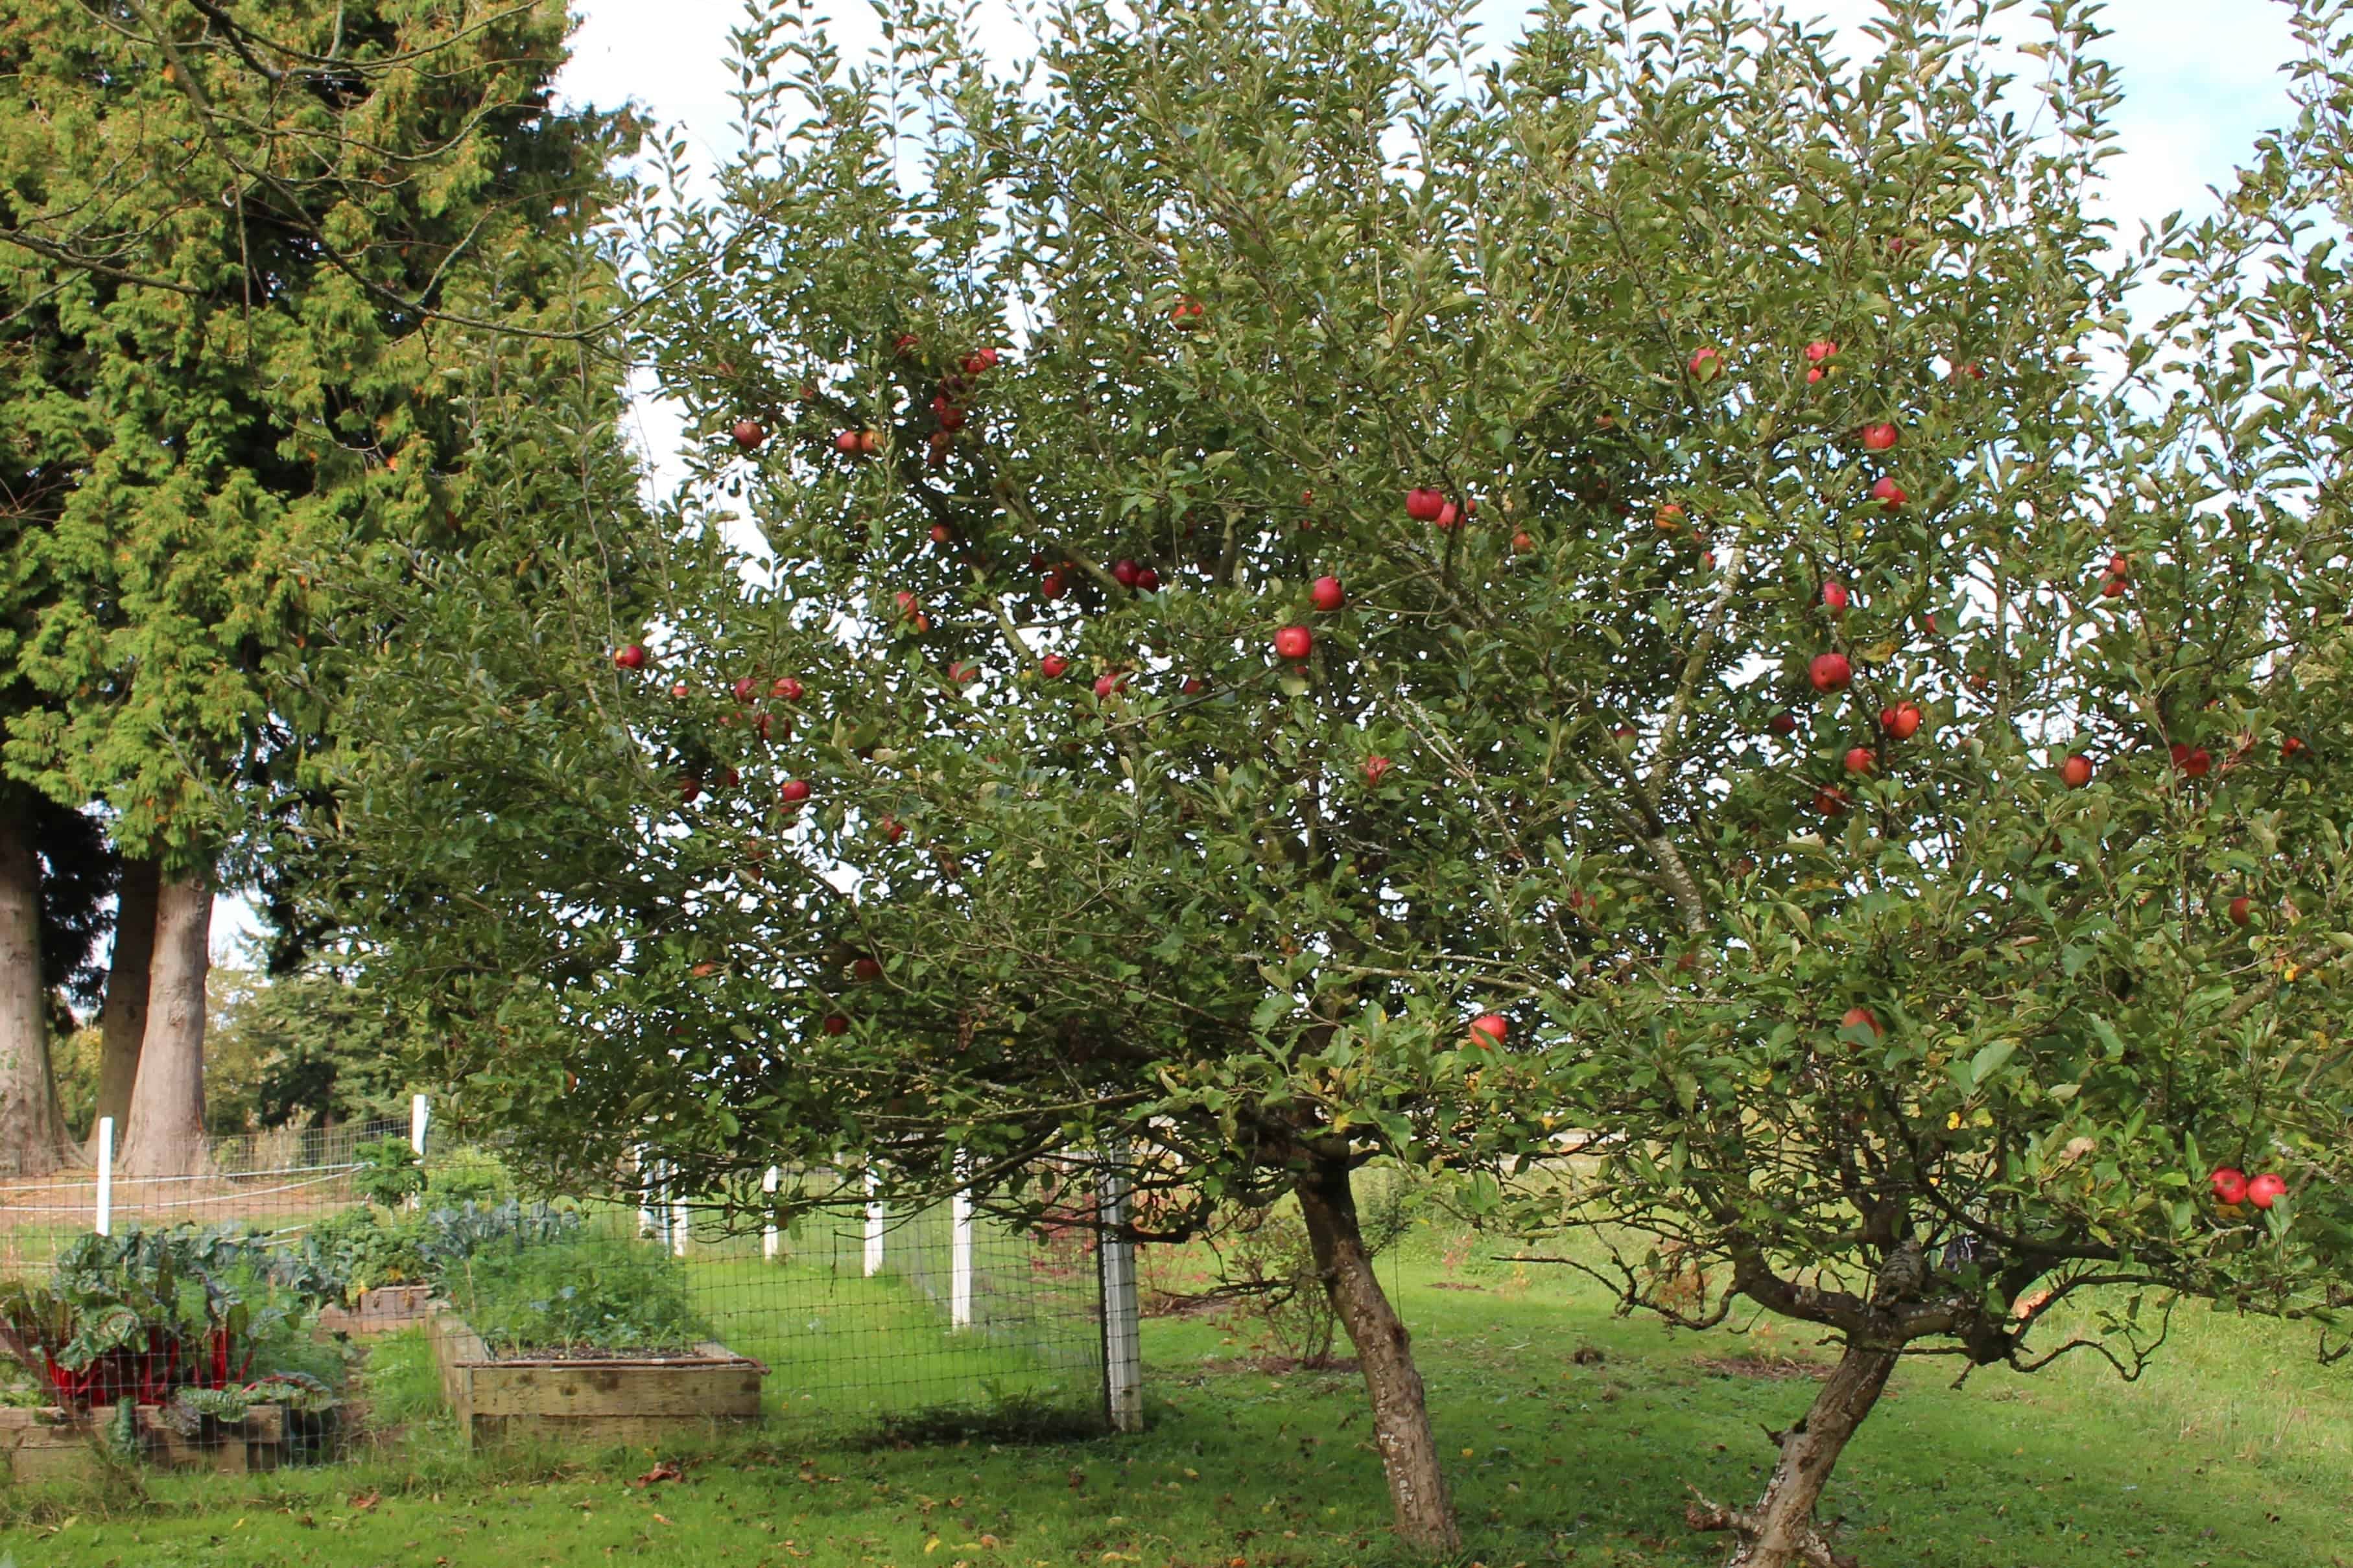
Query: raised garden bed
[[380, 1311], [590, 1398], [47, 1442]]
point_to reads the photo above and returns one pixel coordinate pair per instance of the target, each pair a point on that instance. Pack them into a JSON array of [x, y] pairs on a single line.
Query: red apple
[[1829, 802], [941, 534], [1187, 312], [1834, 598], [792, 791], [679, 688], [906, 602], [1147, 580], [748, 434], [1295, 643], [2119, 566], [1194, 686], [1053, 584], [1422, 505], [1449, 514], [892, 828], [870, 442], [1860, 760], [1888, 493], [2230, 1184], [1053, 666], [2198, 764], [962, 674], [2242, 909], [788, 689], [1862, 1019], [867, 968], [1782, 723], [690, 789], [835, 1024], [2112, 588], [1124, 573], [1829, 671], [2290, 748], [2265, 1190], [1879, 437], [1523, 542], [950, 416], [848, 442], [1816, 373], [1107, 685], [903, 341], [1668, 517], [2076, 771], [1901, 722], [1819, 349], [1377, 769], [1706, 365], [1487, 1031], [1325, 592], [634, 657]]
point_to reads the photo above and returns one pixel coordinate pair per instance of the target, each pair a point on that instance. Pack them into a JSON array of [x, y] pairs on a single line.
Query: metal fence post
[[771, 1239], [874, 1216], [103, 1222], [1122, 1316], [420, 1115]]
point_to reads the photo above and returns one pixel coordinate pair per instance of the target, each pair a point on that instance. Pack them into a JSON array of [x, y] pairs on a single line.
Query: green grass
[[2235, 1449]]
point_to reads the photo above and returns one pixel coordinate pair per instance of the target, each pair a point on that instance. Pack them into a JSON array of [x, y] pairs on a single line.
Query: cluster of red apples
[[2234, 1186]]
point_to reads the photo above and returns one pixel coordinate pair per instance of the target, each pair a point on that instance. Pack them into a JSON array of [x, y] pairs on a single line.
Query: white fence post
[[646, 1224], [960, 1261], [104, 1219], [679, 1219], [770, 1239], [420, 1115], [874, 1216], [1122, 1346]]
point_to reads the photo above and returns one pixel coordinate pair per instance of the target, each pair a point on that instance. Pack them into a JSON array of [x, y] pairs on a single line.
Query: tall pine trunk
[[165, 1133], [1779, 1530], [32, 1136], [122, 1019], [1425, 1513]]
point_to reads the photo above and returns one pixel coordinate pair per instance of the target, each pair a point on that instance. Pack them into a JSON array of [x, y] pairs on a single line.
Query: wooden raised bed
[[41, 1443], [617, 1399], [380, 1311]]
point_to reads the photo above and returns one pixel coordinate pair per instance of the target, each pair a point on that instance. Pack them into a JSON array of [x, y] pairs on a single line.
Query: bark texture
[[32, 1136], [122, 1020], [1425, 1513], [166, 1134], [1780, 1529]]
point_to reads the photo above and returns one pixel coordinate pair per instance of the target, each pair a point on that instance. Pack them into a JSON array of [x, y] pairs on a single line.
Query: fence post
[[874, 1216], [770, 1239], [420, 1115], [1123, 1319], [647, 1225], [104, 1219], [678, 1223], [960, 1259]]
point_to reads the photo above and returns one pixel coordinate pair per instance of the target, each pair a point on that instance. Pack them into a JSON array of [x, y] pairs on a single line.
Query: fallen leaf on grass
[[365, 1500], [664, 1471], [659, 1519]]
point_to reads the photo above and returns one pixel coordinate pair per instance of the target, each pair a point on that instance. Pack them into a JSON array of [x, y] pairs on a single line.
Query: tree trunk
[[122, 1020], [32, 1137], [1780, 1529], [166, 1134], [1425, 1513]]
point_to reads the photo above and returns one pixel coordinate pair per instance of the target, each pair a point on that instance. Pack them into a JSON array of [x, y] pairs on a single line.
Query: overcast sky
[[2201, 79]]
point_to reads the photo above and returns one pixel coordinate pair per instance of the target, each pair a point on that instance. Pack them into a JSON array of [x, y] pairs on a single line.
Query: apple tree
[[1266, 592]]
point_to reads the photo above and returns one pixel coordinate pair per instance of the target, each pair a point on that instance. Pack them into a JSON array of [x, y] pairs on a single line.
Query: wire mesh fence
[[214, 1317]]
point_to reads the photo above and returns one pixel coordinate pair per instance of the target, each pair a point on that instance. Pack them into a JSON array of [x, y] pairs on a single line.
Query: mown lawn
[[2235, 1449]]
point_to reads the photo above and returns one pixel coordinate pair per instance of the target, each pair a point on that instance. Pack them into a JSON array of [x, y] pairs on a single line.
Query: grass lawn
[[2236, 1449]]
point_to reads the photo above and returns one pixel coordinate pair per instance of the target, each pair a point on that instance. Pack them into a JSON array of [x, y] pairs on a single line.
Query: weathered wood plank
[[608, 1400]]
